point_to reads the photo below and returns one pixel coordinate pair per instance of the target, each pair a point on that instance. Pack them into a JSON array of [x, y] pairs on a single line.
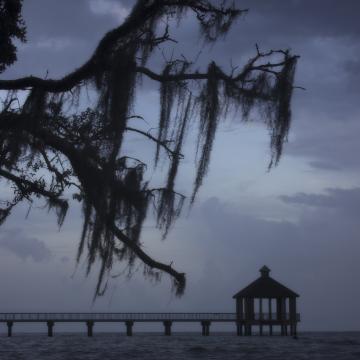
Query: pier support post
[[90, 326], [283, 329], [270, 330], [9, 327], [261, 330], [239, 329], [50, 326], [129, 326], [295, 331], [205, 325], [167, 326], [248, 330]]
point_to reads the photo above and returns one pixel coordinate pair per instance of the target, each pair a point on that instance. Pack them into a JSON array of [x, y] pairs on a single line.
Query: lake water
[[109, 346]]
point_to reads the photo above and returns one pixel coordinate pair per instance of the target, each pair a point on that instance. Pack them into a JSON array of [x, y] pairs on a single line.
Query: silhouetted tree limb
[[154, 139], [47, 152]]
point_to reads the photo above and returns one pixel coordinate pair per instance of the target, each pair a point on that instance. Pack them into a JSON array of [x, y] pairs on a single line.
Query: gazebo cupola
[[266, 302], [265, 271]]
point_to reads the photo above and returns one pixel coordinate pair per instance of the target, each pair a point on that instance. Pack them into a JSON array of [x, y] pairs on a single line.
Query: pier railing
[[109, 317], [143, 317]]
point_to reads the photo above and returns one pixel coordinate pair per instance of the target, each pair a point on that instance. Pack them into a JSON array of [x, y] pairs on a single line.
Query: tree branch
[[161, 143], [146, 259], [29, 186]]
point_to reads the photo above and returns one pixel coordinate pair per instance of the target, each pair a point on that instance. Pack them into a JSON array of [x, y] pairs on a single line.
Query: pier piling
[[9, 328], [167, 326], [129, 326], [239, 329], [205, 328], [90, 326], [50, 326]]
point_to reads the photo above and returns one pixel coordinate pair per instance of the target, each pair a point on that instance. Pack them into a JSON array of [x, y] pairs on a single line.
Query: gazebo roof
[[265, 287]]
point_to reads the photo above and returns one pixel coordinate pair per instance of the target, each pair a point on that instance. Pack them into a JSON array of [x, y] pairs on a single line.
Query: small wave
[[345, 342], [197, 349]]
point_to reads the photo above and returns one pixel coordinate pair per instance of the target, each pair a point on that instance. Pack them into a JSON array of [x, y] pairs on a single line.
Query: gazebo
[[257, 301]]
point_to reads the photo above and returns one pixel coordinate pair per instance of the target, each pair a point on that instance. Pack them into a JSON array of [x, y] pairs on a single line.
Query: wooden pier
[[129, 319], [265, 292]]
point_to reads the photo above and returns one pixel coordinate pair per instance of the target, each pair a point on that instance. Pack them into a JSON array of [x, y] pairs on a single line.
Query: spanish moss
[[52, 150]]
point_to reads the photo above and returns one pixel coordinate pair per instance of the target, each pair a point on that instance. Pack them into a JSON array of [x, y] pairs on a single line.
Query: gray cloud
[[109, 7], [352, 66], [341, 199], [23, 246], [327, 143], [306, 17], [64, 259]]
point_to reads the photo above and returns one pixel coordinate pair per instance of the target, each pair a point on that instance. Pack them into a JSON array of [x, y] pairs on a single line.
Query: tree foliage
[[11, 26], [47, 152]]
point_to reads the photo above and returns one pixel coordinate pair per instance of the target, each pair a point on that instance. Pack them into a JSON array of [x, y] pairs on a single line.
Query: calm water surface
[[107, 346]]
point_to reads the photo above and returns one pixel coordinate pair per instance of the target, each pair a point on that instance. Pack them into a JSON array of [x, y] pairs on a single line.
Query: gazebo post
[[247, 316], [293, 319], [252, 314], [270, 309], [240, 315], [240, 308], [284, 315], [278, 309], [281, 314], [270, 316], [261, 316]]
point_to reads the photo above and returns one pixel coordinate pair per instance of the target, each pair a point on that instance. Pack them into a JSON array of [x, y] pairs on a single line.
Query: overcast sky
[[301, 219]]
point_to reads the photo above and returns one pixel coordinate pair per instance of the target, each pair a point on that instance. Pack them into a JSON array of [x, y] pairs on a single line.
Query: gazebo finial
[[264, 271]]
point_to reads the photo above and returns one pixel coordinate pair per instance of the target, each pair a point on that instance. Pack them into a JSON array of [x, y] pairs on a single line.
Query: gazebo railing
[[273, 316]]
